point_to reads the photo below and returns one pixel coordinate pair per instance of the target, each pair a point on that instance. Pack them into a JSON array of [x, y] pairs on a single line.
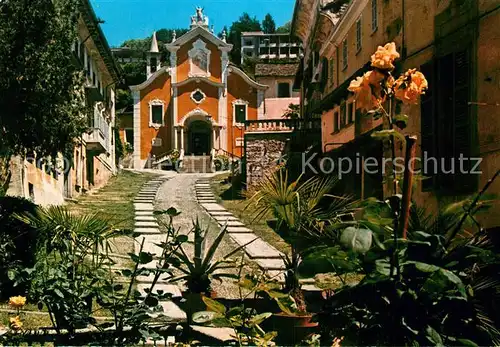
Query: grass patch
[[115, 202], [230, 197]]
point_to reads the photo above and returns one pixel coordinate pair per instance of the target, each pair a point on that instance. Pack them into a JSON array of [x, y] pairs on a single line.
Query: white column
[[137, 129], [182, 139], [260, 104], [214, 133], [176, 142]]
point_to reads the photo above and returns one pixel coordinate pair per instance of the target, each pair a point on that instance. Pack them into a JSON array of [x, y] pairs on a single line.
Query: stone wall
[[263, 152]]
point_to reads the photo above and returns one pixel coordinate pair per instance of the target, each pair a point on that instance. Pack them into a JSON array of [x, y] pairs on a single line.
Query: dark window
[[446, 124], [31, 191], [358, 35], [350, 115], [129, 136], [240, 113], [153, 65], [332, 72], [283, 90], [374, 15], [343, 115], [344, 54], [157, 114], [335, 121], [198, 96]]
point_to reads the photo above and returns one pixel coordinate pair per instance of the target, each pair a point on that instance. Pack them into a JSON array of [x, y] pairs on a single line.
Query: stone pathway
[[147, 226], [261, 252]]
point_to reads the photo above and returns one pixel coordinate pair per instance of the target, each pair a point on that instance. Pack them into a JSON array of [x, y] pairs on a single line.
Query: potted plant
[[301, 216]]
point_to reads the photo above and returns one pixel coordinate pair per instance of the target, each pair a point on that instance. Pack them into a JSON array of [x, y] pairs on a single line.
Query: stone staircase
[[197, 164]]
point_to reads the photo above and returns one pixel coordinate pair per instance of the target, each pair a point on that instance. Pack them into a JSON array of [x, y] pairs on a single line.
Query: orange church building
[[196, 105]]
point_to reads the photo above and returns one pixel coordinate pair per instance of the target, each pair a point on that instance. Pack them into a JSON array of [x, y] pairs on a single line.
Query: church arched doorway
[[199, 138]]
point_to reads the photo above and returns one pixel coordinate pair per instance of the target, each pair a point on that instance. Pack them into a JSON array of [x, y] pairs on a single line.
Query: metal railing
[[282, 125]]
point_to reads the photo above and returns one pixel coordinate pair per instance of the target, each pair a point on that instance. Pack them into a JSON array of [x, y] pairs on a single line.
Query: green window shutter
[[240, 113], [343, 115], [335, 121], [428, 128], [462, 125], [157, 114]]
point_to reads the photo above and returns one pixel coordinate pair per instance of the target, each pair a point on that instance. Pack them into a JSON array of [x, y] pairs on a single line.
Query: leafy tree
[[285, 28], [268, 24], [41, 88], [244, 23]]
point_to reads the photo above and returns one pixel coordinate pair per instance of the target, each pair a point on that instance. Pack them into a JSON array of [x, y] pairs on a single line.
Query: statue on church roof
[[199, 18]]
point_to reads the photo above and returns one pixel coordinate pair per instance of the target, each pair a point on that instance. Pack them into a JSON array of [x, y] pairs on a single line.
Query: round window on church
[[198, 96]]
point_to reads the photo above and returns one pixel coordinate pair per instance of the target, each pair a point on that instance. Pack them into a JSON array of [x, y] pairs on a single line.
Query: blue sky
[[128, 19]]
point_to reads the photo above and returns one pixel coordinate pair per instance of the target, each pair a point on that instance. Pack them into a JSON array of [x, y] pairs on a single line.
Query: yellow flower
[[384, 57], [337, 341], [17, 301], [15, 323], [410, 86], [367, 90]]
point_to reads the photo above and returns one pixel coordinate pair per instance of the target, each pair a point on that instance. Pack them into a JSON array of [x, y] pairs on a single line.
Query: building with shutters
[[198, 104], [49, 181], [456, 44]]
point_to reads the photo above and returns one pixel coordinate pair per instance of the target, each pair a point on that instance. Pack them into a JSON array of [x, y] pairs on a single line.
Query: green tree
[[285, 28], [41, 88], [268, 24], [244, 23]]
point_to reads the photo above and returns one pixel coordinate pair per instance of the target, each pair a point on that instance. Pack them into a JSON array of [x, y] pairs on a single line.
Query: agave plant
[[303, 211], [199, 271]]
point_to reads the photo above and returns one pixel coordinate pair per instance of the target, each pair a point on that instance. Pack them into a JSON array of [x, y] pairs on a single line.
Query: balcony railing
[[282, 125], [98, 137]]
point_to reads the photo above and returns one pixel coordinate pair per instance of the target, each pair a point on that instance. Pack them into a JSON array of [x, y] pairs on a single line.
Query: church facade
[[198, 104]]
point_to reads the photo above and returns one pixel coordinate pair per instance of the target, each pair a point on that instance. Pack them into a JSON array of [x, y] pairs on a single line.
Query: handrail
[[229, 154], [282, 124]]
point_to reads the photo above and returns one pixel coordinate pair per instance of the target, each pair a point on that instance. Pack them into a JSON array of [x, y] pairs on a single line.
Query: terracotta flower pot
[[292, 329]]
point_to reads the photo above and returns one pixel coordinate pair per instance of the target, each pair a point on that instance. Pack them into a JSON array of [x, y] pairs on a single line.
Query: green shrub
[[221, 162], [17, 243]]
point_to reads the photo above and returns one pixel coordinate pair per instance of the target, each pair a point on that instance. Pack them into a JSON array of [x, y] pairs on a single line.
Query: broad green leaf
[[182, 239], [172, 212], [357, 239], [401, 120], [127, 273], [386, 134], [256, 320], [444, 280], [468, 343], [203, 317], [287, 304], [145, 258], [433, 336], [151, 301], [214, 306]]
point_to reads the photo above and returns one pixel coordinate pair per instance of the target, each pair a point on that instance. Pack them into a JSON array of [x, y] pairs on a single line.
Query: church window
[[156, 108]]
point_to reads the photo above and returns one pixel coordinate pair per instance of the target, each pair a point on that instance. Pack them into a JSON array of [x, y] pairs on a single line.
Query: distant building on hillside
[[258, 45], [127, 55], [280, 94]]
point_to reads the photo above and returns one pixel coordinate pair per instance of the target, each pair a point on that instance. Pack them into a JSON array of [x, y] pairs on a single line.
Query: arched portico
[[199, 133]]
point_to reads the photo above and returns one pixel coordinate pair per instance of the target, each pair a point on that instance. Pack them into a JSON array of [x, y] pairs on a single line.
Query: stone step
[[145, 218], [143, 207], [232, 223], [232, 230], [220, 213], [146, 224], [224, 218], [213, 207], [147, 231], [258, 248], [144, 213], [270, 264]]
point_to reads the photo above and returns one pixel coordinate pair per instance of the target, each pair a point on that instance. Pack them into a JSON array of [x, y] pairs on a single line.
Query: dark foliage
[[41, 93], [17, 243], [244, 23]]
